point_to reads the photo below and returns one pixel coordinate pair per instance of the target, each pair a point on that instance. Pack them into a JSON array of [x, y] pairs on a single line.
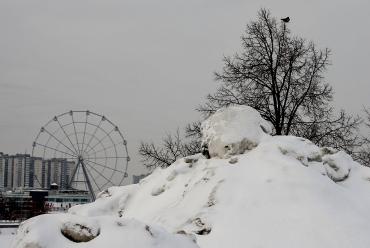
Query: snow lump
[[233, 130]]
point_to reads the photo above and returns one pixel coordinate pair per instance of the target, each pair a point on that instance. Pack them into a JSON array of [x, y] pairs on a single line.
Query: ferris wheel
[[82, 150]]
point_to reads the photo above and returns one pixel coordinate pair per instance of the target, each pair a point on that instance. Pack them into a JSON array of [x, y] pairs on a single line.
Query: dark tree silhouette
[[363, 155], [173, 147], [281, 76]]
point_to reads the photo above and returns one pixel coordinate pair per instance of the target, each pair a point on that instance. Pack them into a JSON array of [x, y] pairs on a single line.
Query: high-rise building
[[6, 172], [59, 171], [21, 164], [15, 171], [2, 171], [67, 169], [24, 171], [38, 173]]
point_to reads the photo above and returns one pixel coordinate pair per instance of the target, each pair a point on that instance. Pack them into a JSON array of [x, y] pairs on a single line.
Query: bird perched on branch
[[286, 19]]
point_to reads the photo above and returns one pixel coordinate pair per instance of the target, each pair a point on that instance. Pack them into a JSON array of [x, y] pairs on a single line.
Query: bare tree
[[363, 155], [281, 76], [340, 132], [173, 147], [193, 130]]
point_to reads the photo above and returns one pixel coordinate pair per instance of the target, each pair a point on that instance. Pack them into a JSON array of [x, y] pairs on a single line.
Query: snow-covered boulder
[[233, 130], [78, 232], [65, 230]]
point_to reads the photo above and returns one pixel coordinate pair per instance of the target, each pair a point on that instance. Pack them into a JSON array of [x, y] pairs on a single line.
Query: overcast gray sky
[[146, 64]]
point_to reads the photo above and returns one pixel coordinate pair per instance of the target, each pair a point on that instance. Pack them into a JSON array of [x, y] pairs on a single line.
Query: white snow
[[233, 130], [284, 192], [6, 236], [45, 231]]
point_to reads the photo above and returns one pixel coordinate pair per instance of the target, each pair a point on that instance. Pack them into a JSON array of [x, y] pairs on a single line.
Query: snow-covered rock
[[233, 130], [283, 192], [65, 230]]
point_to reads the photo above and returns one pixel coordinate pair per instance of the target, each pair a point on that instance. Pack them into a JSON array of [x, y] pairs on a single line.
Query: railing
[[9, 224]]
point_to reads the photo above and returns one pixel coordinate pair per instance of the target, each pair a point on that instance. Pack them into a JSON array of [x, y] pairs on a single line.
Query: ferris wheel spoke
[[92, 178], [94, 155], [73, 176], [99, 164], [104, 157], [45, 146], [60, 142], [77, 175], [74, 127], [68, 135], [47, 142], [83, 139], [92, 167], [109, 147], [65, 133], [93, 147], [101, 140], [93, 135], [85, 184], [103, 186]]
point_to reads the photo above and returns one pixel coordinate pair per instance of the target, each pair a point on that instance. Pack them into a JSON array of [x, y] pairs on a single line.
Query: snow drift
[[282, 191]]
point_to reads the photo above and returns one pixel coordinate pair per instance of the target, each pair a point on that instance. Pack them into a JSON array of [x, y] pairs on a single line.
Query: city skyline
[[25, 171]]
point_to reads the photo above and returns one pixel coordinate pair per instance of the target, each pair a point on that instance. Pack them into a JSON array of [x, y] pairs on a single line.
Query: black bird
[[286, 19]]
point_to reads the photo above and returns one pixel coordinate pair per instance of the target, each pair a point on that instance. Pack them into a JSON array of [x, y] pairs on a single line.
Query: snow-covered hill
[[256, 190]]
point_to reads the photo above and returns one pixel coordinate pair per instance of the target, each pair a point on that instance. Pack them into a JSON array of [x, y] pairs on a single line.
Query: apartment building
[[24, 171]]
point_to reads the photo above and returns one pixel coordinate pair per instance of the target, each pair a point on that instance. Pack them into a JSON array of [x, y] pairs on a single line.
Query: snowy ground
[[255, 191], [7, 235]]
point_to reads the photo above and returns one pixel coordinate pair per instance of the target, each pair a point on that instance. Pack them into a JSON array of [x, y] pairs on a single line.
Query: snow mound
[[233, 130], [49, 231], [285, 192]]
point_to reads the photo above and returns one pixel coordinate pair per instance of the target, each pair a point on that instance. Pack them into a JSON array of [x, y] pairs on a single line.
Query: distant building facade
[[24, 171], [5, 172], [22, 204], [20, 167]]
